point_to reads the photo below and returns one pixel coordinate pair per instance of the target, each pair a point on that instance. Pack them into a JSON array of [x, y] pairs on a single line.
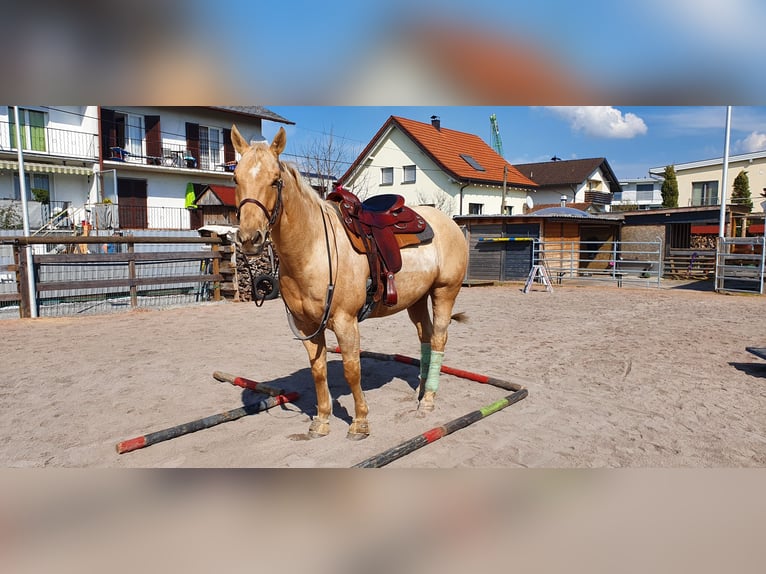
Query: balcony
[[638, 197], [598, 197], [52, 142], [172, 156]]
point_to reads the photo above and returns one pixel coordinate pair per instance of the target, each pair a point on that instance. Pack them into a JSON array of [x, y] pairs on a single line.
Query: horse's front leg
[[317, 351], [347, 332]]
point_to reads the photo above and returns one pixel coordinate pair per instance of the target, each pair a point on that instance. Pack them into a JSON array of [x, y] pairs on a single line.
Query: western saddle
[[379, 227]]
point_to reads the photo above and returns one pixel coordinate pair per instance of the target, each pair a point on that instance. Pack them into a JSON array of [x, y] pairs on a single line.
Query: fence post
[[132, 275], [25, 310], [216, 270]]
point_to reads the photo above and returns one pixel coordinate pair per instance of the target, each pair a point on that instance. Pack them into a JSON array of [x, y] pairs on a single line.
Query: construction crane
[[497, 143]]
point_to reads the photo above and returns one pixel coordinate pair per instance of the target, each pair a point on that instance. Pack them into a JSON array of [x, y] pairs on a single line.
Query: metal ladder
[[538, 271]]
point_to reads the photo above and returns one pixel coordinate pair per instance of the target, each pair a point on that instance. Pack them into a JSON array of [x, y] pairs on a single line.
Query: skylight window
[[472, 162]]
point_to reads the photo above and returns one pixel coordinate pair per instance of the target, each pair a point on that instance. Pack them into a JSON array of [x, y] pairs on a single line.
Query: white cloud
[[602, 121], [756, 141]]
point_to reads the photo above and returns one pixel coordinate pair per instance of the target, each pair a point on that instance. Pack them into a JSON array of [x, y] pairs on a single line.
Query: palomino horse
[[323, 279]]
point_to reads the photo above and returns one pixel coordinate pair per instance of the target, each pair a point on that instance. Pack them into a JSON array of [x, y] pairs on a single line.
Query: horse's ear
[[240, 144], [280, 140]]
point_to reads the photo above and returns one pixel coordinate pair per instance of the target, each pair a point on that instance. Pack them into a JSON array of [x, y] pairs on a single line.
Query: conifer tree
[[670, 188], [741, 192]]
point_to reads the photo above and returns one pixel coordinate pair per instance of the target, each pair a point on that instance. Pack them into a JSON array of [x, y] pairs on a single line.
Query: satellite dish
[[529, 202]]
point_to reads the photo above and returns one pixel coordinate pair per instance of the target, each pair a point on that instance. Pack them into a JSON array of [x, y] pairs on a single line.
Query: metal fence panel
[[739, 264], [620, 262]]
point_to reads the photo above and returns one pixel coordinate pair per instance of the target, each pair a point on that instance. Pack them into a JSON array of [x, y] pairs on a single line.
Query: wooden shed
[[216, 205], [504, 247]]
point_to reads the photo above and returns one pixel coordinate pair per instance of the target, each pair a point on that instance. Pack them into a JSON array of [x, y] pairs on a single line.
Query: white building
[[429, 164], [643, 193], [122, 167]]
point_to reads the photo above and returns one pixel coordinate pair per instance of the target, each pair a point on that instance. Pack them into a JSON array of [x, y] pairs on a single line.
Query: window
[[32, 129], [645, 187], [129, 133], [210, 147], [704, 193], [386, 176], [409, 174], [508, 210], [472, 162], [33, 181], [475, 208]]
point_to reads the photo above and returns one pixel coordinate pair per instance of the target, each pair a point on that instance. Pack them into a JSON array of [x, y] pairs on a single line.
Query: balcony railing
[[173, 155], [52, 141], [634, 196]]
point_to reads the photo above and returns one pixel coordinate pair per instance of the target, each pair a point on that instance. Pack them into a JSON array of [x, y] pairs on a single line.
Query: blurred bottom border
[[339, 521]]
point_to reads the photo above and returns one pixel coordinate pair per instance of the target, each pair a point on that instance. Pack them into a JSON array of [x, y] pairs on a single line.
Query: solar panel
[[472, 162]]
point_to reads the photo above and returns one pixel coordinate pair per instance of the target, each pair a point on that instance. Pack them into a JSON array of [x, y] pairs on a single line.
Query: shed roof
[[225, 194]]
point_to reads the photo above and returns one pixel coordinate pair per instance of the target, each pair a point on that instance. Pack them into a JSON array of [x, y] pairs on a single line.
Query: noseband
[[272, 217]]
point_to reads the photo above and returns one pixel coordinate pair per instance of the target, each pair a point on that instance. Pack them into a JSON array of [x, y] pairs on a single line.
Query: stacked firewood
[[256, 265]]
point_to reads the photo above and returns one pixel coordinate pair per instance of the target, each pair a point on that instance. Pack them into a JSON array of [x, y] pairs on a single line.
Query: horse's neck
[[299, 229]]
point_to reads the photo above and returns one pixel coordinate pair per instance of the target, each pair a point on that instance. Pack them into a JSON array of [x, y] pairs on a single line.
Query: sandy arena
[[616, 377]]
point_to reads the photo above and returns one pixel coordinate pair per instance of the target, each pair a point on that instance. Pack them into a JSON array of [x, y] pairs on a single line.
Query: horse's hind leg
[[443, 301], [421, 318]]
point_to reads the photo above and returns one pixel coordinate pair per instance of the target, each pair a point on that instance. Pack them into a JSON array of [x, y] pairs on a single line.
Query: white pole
[[722, 220], [25, 218]]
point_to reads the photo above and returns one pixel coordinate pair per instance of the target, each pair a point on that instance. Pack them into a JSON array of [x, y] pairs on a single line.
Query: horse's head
[[258, 178]]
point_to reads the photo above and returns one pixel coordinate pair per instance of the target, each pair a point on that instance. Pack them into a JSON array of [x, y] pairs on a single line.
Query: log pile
[[259, 265]]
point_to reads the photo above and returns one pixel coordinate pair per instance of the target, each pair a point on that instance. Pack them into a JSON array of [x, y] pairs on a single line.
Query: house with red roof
[[586, 184], [429, 164]]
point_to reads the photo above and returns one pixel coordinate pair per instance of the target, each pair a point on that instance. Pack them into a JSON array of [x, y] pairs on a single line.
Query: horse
[[323, 279]]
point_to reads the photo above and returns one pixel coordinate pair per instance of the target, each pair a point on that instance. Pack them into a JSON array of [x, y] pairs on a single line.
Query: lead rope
[[328, 296]]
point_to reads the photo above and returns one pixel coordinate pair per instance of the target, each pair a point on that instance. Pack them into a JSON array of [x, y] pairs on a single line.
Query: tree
[[670, 188], [322, 161], [741, 191], [439, 199]]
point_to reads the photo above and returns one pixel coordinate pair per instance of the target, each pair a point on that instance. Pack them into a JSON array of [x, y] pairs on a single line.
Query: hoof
[[427, 401], [319, 428], [358, 430]]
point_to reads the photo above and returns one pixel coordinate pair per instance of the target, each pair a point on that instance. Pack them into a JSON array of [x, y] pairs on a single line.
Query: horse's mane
[[307, 190]]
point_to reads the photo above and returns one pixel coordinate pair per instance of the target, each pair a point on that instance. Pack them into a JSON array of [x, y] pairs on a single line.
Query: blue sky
[[633, 139]]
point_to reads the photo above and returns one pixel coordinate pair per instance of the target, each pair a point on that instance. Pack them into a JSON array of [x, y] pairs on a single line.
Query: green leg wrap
[[425, 359], [434, 368]]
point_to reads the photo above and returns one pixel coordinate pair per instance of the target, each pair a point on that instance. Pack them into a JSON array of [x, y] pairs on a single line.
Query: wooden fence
[[132, 282]]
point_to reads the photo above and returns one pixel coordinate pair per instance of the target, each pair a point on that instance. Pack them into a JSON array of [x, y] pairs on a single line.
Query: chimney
[[436, 122], [563, 200]]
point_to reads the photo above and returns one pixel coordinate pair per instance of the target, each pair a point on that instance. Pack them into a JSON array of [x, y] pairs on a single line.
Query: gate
[[739, 264], [638, 262]]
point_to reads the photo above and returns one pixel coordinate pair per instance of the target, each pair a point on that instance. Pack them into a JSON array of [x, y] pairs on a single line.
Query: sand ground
[[631, 377]]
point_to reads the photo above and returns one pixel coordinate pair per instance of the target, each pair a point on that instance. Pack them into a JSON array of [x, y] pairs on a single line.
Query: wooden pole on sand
[[207, 422], [500, 383], [436, 433], [247, 384]]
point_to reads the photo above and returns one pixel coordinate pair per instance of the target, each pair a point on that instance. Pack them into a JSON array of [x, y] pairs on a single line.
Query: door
[[131, 194], [519, 250]]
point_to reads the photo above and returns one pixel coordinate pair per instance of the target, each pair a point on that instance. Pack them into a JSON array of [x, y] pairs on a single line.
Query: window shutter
[[228, 147], [192, 140], [108, 132], [153, 136]]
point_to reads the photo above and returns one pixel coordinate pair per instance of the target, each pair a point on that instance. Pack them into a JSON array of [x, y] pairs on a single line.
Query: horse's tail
[[460, 317]]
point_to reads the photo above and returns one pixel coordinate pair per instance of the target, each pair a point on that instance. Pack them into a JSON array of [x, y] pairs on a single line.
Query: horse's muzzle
[[251, 243]]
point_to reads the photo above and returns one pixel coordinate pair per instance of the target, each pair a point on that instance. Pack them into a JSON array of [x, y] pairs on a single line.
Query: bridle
[[272, 219], [274, 215]]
